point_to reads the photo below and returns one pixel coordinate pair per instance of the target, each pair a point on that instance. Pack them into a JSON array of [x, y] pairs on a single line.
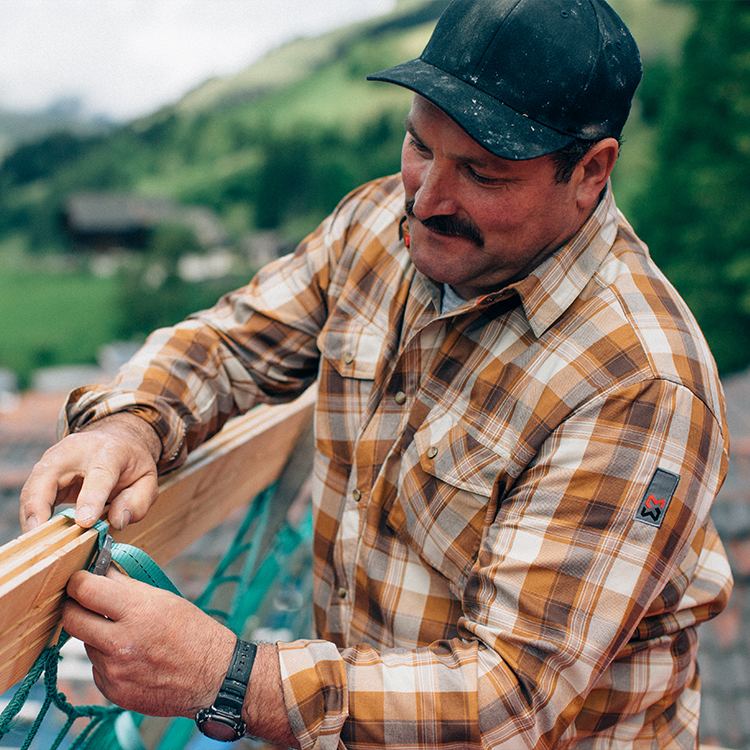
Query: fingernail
[[84, 514], [124, 519], [31, 523]]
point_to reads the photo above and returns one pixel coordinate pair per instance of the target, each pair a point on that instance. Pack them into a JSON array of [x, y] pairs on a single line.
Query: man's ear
[[594, 170]]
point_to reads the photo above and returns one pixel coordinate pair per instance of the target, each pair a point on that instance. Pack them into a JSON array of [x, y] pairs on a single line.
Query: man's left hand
[[152, 651]]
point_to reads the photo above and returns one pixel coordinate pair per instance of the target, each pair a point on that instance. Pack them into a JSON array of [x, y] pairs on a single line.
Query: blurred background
[[154, 153]]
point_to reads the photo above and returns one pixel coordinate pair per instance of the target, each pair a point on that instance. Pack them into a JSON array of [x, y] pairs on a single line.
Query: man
[[519, 434]]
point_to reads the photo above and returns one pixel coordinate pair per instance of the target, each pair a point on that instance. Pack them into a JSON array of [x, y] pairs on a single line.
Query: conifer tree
[[695, 213]]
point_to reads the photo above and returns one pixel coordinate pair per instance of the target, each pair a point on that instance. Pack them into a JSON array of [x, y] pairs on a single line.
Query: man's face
[[478, 221]]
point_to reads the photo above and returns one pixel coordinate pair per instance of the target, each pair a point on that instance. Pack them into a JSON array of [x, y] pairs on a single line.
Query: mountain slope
[[273, 147], [304, 112]]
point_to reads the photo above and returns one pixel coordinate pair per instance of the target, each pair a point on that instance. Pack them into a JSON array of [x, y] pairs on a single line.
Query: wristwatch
[[223, 719]]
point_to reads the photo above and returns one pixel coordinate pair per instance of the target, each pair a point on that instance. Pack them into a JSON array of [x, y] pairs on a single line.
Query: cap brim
[[495, 126]]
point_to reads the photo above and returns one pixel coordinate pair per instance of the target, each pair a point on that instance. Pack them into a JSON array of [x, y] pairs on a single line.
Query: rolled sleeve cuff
[[92, 403], [314, 680]]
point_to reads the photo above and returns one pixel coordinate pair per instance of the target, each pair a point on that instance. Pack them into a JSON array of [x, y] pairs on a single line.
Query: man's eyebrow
[[409, 125], [474, 161], [478, 162]]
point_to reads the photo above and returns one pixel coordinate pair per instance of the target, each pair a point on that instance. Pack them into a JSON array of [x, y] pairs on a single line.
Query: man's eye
[[481, 179], [417, 146]]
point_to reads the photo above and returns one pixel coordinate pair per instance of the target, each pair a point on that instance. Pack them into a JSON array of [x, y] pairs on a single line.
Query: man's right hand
[[112, 460]]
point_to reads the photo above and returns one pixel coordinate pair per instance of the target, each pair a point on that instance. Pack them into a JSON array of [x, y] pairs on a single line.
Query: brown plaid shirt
[[502, 557]]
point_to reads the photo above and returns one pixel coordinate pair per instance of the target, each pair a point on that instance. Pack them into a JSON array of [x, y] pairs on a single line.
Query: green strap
[[135, 562]]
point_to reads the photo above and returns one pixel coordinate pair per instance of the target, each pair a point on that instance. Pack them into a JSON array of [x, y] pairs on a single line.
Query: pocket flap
[[354, 351], [455, 456]]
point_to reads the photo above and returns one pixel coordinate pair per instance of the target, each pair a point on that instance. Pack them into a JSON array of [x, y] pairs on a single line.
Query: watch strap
[[223, 719], [232, 693]]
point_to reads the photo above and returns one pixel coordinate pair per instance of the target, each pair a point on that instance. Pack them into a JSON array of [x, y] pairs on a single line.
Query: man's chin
[[435, 271]]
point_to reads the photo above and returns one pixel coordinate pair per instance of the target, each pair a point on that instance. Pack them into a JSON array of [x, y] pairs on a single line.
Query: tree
[[152, 294], [695, 213]]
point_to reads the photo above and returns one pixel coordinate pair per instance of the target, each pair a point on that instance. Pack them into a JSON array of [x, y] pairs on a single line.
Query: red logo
[[654, 504], [653, 508]]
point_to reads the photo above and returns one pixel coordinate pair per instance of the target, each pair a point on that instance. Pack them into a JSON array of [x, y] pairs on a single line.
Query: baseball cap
[[525, 77]]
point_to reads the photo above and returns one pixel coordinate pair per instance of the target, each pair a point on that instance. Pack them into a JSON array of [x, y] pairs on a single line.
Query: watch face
[[217, 730], [220, 725]]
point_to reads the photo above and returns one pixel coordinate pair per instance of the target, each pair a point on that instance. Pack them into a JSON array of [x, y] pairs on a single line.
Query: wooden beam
[[225, 473], [220, 476], [31, 599]]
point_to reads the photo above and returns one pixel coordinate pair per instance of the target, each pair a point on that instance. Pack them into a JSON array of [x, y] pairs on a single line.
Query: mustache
[[449, 225]]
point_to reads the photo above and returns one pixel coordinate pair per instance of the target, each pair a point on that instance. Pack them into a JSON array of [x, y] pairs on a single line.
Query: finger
[[59, 477], [38, 497], [96, 674], [95, 655], [41, 494], [132, 504], [113, 595], [87, 626], [98, 662], [69, 493], [99, 483], [115, 574]]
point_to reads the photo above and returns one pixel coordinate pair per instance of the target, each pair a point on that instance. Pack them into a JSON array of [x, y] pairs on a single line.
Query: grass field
[[53, 317]]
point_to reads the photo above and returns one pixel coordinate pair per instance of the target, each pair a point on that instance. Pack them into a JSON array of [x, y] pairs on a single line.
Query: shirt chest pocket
[[352, 348], [444, 500]]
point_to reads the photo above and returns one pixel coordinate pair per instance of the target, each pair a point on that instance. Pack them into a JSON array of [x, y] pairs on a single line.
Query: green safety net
[[256, 585]]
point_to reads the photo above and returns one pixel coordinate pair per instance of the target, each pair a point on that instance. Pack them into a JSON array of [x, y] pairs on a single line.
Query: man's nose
[[437, 193]]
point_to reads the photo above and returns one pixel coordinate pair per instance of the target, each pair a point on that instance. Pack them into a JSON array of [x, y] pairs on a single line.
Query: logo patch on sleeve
[[657, 498]]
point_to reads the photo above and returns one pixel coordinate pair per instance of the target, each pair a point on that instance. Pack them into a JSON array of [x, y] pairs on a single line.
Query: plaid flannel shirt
[[512, 542]]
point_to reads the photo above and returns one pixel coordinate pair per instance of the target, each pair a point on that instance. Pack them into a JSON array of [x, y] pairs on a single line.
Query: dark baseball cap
[[525, 77]]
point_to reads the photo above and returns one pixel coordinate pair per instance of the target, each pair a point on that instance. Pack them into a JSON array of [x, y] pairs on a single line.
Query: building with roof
[[104, 221]]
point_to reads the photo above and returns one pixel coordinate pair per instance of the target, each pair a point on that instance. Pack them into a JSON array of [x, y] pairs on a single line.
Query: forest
[[274, 149]]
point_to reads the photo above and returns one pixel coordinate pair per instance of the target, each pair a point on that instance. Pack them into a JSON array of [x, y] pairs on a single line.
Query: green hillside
[[272, 148], [24, 127], [303, 118], [297, 112]]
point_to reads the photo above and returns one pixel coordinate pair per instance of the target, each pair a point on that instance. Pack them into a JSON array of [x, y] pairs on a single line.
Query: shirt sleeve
[[258, 344], [567, 580]]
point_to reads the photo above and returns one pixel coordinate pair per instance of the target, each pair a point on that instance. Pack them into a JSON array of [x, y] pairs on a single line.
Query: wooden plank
[[219, 477], [247, 456], [22, 553], [30, 604]]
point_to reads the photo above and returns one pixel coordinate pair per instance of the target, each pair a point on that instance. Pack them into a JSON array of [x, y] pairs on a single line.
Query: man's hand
[[113, 460], [152, 651], [157, 654]]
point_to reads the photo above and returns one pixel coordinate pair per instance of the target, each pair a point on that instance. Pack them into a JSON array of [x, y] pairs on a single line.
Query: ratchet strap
[[133, 561]]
